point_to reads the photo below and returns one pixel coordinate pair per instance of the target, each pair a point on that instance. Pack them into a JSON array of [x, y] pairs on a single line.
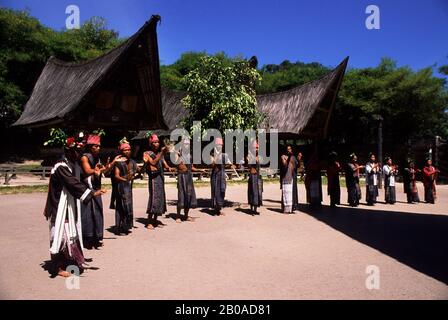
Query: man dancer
[[372, 176], [410, 182], [429, 181], [255, 182], [288, 181], [186, 195], [390, 171], [63, 211], [334, 188], [92, 212], [352, 181], [219, 161], [124, 173], [155, 163]]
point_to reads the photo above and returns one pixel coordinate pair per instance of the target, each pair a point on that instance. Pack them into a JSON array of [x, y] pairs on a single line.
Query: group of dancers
[[290, 164], [74, 206]]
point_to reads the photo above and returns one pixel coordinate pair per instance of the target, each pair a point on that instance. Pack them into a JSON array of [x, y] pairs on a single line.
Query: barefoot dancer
[[410, 182], [390, 172], [288, 181], [352, 181], [92, 212], [219, 161], [154, 164], [62, 210], [429, 181], [255, 182], [334, 188], [372, 177], [125, 170], [186, 195]]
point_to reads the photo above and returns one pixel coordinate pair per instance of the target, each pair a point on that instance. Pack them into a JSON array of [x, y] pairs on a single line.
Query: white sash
[[73, 229]]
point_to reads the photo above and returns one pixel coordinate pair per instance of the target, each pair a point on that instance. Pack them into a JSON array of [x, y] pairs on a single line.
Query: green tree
[[288, 75], [444, 70], [413, 104], [221, 94], [171, 75]]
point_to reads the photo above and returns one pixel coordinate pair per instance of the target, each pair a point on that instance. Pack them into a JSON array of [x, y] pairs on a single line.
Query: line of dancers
[[74, 206]]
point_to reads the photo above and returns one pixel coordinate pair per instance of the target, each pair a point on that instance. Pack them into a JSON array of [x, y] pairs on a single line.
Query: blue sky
[[413, 32]]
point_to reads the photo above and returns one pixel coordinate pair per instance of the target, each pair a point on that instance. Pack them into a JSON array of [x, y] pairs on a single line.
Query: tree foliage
[[412, 104], [444, 70], [287, 75], [221, 94]]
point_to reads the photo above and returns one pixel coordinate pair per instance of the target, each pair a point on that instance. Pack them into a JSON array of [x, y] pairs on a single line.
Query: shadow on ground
[[416, 239], [206, 203]]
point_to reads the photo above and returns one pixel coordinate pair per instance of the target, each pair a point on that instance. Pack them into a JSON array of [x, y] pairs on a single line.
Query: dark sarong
[[156, 188], [430, 191], [255, 190], [186, 195], [390, 196], [92, 218], [124, 212], [353, 188], [410, 185], [313, 189], [218, 184], [334, 188], [354, 194], [92, 212], [371, 194], [157, 198]]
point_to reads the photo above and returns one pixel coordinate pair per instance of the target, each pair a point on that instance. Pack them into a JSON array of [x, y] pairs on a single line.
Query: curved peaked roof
[[302, 111], [62, 86]]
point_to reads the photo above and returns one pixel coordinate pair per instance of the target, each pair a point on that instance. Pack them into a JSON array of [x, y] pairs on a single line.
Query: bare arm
[[86, 166], [167, 167], [117, 175], [109, 165]]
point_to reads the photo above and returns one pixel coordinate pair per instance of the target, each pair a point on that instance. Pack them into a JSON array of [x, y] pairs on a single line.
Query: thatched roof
[[173, 113], [303, 111], [118, 89]]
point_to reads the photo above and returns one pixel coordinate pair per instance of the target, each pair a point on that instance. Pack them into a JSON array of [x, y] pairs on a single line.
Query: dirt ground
[[313, 254]]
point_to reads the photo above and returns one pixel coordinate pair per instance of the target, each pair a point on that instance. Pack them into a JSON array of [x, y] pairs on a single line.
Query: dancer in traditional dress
[[62, 209], [125, 171], [92, 212], [352, 181], [372, 178], [334, 188], [390, 172], [219, 161], [155, 165], [255, 182], [429, 181], [186, 195], [288, 180], [410, 183]]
